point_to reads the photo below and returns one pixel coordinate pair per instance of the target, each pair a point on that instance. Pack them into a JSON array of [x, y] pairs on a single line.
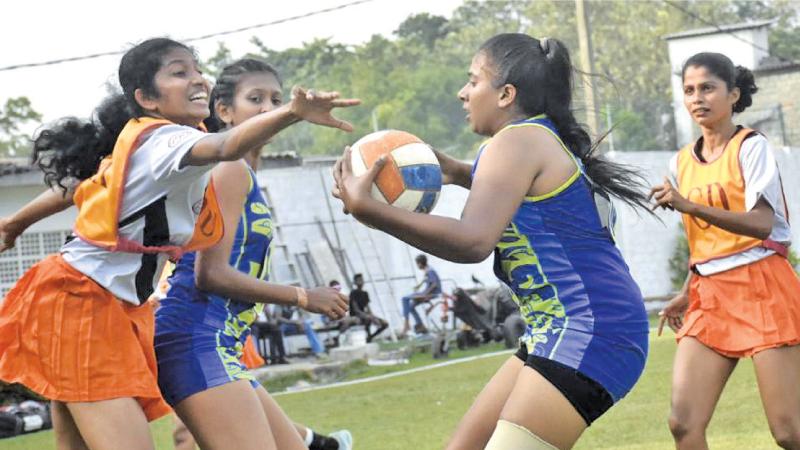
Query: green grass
[[419, 411]]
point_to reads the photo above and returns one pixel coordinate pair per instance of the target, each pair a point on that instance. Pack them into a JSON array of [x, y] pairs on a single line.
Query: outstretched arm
[[49, 202], [231, 145]]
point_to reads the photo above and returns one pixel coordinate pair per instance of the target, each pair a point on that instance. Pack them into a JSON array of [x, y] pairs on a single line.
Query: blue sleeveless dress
[[199, 335], [575, 293]]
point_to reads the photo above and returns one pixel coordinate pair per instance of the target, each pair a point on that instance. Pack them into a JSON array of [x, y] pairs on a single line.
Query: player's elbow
[[763, 228], [477, 250], [206, 279], [763, 232]]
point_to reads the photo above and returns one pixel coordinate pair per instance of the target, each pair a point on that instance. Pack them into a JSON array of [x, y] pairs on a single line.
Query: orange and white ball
[[411, 178]]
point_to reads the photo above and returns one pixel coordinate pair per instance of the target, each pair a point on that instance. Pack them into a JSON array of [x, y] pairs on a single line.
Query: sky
[[38, 30]]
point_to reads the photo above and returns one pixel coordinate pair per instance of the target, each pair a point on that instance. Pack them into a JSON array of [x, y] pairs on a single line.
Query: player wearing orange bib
[[742, 297], [76, 328]]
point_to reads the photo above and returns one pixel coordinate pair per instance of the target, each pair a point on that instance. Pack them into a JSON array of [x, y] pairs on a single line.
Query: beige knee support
[[510, 436]]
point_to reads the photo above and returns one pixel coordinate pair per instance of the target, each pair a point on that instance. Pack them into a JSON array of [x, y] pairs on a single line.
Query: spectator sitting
[[360, 310], [433, 288], [267, 327], [285, 316]]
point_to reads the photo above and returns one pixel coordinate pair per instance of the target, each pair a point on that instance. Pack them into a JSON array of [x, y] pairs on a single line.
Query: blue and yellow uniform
[[575, 293], [200, 335]]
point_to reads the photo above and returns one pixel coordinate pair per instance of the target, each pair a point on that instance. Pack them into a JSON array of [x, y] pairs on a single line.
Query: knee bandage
[[510, 436]]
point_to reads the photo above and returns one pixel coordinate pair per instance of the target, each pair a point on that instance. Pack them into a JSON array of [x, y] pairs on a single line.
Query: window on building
[[30, 248]]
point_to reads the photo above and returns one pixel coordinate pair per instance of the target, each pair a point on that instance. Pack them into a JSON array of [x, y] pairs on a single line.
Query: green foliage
[[632, 132], [679, 261], [14, 114], [423, 27], [784, 37], [214, 65], [794, 260], [410, 78]]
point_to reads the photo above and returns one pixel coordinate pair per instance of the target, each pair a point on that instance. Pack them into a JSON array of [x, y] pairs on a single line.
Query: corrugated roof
[[773, 63]]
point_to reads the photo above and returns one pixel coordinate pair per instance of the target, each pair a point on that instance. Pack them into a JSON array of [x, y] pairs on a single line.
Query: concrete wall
[[776, 106], [13, 197], [301, 196]]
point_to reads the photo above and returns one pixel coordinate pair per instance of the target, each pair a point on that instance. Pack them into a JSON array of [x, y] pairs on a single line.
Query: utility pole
[[585, 39]]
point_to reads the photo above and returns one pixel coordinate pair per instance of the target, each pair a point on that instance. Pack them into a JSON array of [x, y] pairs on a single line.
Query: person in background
[[432, 288], [361, 311]]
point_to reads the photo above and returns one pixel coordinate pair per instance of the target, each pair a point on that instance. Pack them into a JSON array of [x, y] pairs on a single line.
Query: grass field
[[419, 411]]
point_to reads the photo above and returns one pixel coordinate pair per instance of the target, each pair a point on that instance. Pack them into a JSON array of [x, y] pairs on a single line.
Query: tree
[[14, 114], [425, 28], [410, 81], [214, 65]]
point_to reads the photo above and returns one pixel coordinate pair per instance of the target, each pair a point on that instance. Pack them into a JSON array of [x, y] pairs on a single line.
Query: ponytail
[[746, 83], [541, 70]]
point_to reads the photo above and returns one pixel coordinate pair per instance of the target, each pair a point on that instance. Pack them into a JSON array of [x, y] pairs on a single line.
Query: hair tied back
[[544, 44]]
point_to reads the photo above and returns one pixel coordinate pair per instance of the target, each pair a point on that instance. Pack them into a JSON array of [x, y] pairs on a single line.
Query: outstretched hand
[[353, 191], [315, 107]]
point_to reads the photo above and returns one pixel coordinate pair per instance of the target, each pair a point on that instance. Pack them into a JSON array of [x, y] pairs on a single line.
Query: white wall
[[13, 197], [300, 196]]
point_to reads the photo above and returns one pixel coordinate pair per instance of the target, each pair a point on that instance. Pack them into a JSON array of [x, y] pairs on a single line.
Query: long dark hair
[[70, 149], [734, 76], [541, 71], [225, 86]]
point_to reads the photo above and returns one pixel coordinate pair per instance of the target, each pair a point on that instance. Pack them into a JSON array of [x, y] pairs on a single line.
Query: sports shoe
[[344, 438]]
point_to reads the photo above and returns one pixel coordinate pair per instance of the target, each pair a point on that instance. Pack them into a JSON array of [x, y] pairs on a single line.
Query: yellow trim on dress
[[570, 180]]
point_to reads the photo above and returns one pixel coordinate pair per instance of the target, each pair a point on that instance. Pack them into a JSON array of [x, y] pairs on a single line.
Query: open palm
[[315, 107]]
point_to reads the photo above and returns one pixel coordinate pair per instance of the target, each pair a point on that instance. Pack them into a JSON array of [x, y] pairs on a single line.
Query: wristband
[[302, 297]]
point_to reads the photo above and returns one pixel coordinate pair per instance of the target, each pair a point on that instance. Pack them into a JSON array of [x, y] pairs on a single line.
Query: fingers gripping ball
[[411, 178]]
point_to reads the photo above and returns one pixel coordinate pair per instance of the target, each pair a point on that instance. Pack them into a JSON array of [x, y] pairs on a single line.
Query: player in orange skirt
[[77, 328], [742, 297]]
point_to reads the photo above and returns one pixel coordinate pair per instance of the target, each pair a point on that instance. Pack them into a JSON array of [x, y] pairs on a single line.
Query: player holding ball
[[533, 202]]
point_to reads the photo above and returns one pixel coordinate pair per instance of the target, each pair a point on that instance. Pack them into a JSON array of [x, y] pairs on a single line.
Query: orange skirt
[[745, 310], [68, 339], [250, 357]]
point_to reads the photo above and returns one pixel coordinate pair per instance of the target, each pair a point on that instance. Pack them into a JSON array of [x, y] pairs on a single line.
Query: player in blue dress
[[585, 342], [216, 294]]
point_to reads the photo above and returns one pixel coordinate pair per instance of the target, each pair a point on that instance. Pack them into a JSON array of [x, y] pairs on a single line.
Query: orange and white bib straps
[[719, 184]]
